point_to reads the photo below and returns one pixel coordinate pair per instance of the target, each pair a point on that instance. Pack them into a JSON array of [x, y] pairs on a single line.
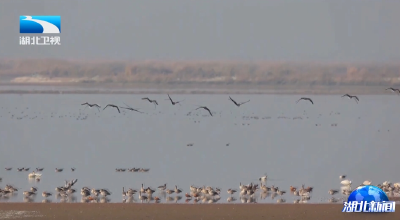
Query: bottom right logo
[[368, 199]]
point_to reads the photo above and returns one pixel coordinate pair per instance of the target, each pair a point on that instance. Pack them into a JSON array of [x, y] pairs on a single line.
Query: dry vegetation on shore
[[201, 72]]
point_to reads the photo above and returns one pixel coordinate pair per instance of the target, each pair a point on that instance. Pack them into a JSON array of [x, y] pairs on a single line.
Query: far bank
[[187, 88]]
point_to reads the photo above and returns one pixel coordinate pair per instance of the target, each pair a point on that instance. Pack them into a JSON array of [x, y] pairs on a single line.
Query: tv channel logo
[[368, 198], [39, 24]]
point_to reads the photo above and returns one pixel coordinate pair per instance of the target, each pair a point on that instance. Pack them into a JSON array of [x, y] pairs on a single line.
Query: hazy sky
[[299, 30]]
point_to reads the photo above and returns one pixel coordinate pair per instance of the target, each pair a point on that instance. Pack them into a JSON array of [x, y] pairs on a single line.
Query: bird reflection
[[46, 201], [231, 199]]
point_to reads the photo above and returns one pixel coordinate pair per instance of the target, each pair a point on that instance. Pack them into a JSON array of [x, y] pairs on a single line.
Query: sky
[[248, 30]]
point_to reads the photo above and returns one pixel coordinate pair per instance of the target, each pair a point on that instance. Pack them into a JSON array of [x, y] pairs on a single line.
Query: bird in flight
[[91, 105], [205, 108], [130, 108], [172, 102], [238, 104], [351, 97], [151, 101], [304, 98], [114, 106], [394, 90]]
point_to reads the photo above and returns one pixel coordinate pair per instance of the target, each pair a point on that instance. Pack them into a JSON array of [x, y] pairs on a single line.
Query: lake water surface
[[55, 131]]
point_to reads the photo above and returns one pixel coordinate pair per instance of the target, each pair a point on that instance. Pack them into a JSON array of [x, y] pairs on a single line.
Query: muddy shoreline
[[63, 211]]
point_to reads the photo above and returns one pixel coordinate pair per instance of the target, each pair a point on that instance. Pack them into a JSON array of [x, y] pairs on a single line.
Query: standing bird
[[333, 191], [238, 104], [263, 178], [352, 97], [151, 101], [205, 108], [130, 108], [172, 102], [394, 90], [307, 99], [114, 106]]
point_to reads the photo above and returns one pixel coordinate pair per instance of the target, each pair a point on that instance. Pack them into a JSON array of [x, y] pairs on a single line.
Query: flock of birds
[[206, 194], [238, 104], [249, 193]]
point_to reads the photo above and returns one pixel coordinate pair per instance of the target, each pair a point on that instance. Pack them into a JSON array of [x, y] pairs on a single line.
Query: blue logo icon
[[368, 199], [39, 24]]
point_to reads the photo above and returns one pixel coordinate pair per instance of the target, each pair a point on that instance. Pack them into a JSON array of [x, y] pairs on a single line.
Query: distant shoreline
[[148, 88]]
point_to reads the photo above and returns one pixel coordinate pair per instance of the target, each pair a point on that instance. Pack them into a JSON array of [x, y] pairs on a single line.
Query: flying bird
[[91, 105], [238, 104], [130, 108], [114, 106], [352, 97], [151, 101], [394, 90], [205, 108], [172, 102], [307, 99]]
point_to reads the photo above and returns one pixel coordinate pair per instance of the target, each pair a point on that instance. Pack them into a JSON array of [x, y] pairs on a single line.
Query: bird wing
[[233, 101], [127, 105], [170, 98], [298, 100], [106, 106], [137, 110], [155, 102], [244, 102], [117, 109], [311, 101], [208, 110], [85, 103], [145, 99]]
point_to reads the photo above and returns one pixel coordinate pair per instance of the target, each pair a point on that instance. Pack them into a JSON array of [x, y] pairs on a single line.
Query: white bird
[[263, 178], [386, 183], [367, 182], [346, 182], [32, 175]]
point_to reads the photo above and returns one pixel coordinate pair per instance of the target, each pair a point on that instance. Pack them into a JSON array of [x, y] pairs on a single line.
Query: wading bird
[[307, 99], [238, 104], [114, 106]]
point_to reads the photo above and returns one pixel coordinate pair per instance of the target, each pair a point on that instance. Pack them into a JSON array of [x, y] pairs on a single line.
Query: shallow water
[[51, 134]]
